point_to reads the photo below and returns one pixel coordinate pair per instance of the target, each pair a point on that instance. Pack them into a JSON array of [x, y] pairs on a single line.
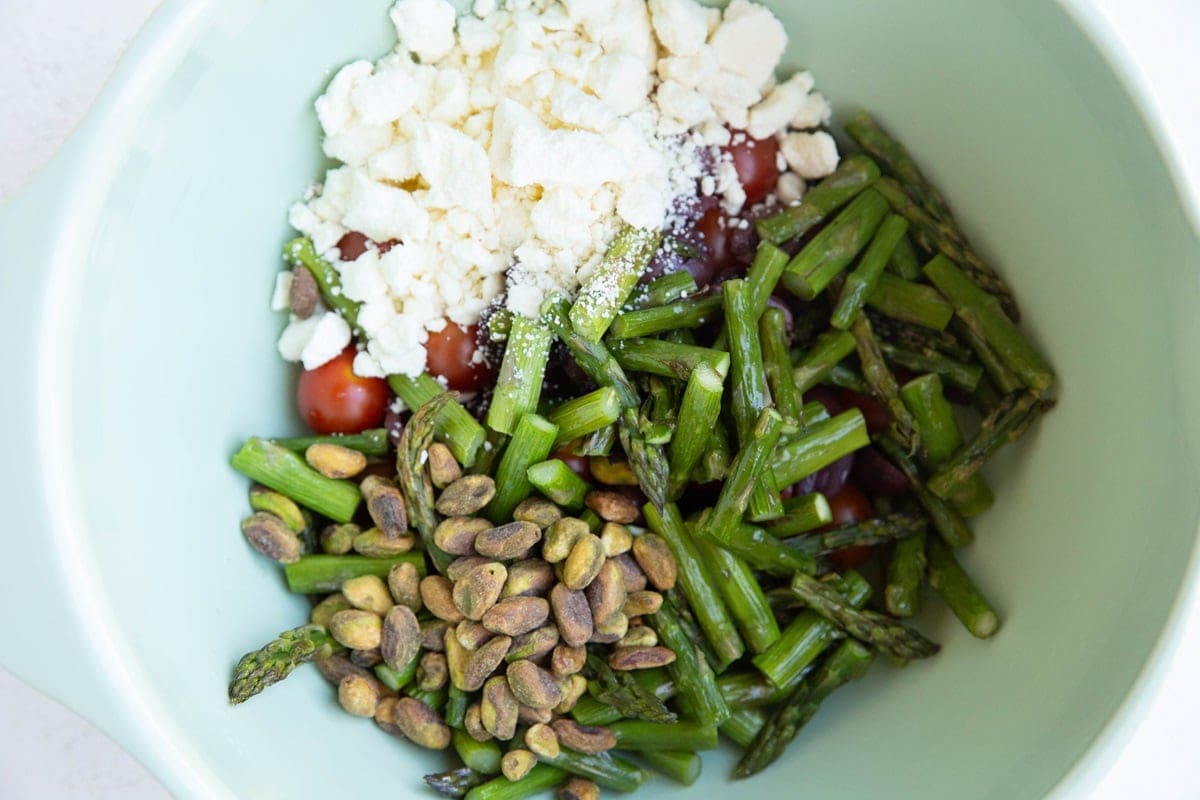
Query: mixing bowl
[[136, 273]]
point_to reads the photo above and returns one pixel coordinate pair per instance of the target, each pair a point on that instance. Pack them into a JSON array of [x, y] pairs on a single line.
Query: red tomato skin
[[332, 399], [849, 505], [755, 162], [713, 228], [874, 414], [450, 354], [578, 464]]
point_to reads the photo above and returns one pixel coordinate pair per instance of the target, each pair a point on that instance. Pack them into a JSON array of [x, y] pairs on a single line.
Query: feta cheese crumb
[[426, 27], [281, 297], [810, 155], [749, 41]]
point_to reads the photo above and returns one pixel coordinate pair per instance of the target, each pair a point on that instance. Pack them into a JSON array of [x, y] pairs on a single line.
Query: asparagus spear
[[869, 532], [752, 459], [955, 586], [397, 679], [481, 757], [848, 662], [585, 414], [904, 260], [807, 636], [761, 280], [965, 376], [301, 252], [610, 772], [670, 360], [861, 282], [667, 289], [626, 694], [854, 174], [532, 441], [918, 337], [819, 446], [831, 250], [519, 384], [680, 767], [559, 483], [981, 313], [415, 483], [949, 523], [697, 584], [1006, 424], [323, 573], [763, 551], [877, 630], [456, 782], [743, 725], [907, 301], [800, 515], [698, 413], [275, 661], [539, 779], [772, 331], [847, 377], [456, 428], [693, 676], [936, 239], [940, 437], [686, 313], [905, 573], [287, 473], [743, 596], [883, 384], [373, 442], [642, 736], [606, 291], [816, 364], [748, 690]]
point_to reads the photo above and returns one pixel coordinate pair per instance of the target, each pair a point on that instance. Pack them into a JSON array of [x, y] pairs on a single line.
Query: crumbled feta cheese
[[781, 104], [749, 41], [280, 298], [790, 188], [813, 113], [682, 26], [810, 155], [426, 27]]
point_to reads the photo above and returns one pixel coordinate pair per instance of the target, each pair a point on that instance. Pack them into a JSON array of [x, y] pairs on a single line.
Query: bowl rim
[[135, 719]]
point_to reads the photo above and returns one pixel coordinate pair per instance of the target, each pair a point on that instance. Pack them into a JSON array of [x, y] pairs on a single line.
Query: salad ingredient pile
[[715, 471], [497, 155]]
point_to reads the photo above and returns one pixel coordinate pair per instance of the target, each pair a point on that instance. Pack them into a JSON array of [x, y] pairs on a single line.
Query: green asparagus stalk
[[301, 252], [456, 428], [585, 414], [640, 736], [752, 459], [750, 397], [938, 239], [807, 636], [845, 376], [904, 261], [832, 250], [693, 676], [412, 453], [801, 514], [397, 679], [906, 301], [686, 313], [854, 174], [848, 662], [373, 442], [761, 280], [558, 483], [667, 289], [881, 632], [883, 384], [435, 699], [606, 771], [532, 441], [601, 298], [816, 364], [680, 767], [599, 443], [483, 757], [763, 551], [714, 464], [965, 376], [981, 313], [772, 331], [275, 661], [941, 437], [656, 357], [864, 533], [321, 573], [951, 581], [698, 415], [861, 282], [949, 523], [1006, 424], [905, 574], [519, 384], [743, 725], [539, 779], [627, 694], [743, 596], [697, 584], [917, 337], [819, 446], [748, 690], [287, 473], [455, 782]]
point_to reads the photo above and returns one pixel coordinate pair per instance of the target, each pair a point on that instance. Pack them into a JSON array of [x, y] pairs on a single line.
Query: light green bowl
[[135, 274]]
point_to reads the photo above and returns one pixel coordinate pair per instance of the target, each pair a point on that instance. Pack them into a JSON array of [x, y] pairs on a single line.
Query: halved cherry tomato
[[754, 160], [332, 399], [874, 414], [713, 228], [849, 505], [578, 464], [450, 353]]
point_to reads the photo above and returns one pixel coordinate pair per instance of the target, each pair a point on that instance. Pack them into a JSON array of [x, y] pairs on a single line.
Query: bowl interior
[[1013, 114]]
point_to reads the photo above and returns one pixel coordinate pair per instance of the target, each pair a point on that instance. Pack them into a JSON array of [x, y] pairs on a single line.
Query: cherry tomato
[[332, 399], [849, 505], [874, 414], [450, 353], [578, 464], [754, 160], [713, 228]]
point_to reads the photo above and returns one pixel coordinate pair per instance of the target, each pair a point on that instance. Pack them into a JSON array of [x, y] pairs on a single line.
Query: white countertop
[[54, 58]]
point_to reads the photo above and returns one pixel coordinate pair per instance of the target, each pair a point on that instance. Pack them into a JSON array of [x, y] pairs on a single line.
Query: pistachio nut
[[530, 577], [303, 293], [400, 639], [373, 543], [433, 633], [631, 573], [516, 615], [335, 461], [611, 630], [282, 506], [538, 510], [385, 504], [638, 636], [561, 537], [498, 708], [465, 496], [612, 473], [606, 593], [584, 738], [471, 634], [357, 696], [626, 658], [456, 535], [533, 686], [572, 614], [576, 788], [421, 724], [356, 629], [473, 722], [369, 593], [542, 740], [484, 661], [432, 672], [509, 541], [616, 539], [612, 506], [643, 602], [443, 469], [464, 564], [270, 535], [323, 611], [437, 593], [584, 562], [479, 590], [534, 644], [404, 584], [516, 763], [567, 660], [655, 558]]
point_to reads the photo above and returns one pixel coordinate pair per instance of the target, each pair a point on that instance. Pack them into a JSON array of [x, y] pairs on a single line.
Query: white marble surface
[[55, 57]]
